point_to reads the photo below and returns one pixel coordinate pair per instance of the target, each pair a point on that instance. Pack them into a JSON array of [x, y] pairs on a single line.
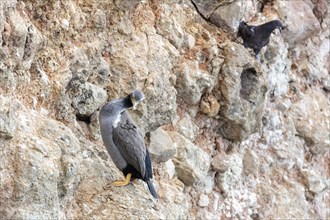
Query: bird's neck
[[127, 103], [117, 106]]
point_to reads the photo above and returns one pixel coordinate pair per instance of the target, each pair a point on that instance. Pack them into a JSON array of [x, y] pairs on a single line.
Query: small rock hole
[[84, 118], [249, 81]]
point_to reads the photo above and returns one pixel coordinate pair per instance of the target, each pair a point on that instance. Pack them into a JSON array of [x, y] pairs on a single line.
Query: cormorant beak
[[135, 105]]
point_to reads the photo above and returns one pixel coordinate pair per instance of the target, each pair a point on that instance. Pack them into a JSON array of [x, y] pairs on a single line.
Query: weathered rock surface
[[231, 173], [87, 98], [300, 25], [207, 8], [161, 146], [187, 127], [7, 117], [191, 163], [210, 105], [276, 53], [250, 163], [314, 181], [225, 14], [320, 9], [239, 138], [228, 16], [192, 82], [203, 200], [47, 168], [311, 117], [281, 197], [243, 88]]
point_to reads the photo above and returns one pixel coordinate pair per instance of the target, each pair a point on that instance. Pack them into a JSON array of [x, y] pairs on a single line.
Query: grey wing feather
[[130, 143]]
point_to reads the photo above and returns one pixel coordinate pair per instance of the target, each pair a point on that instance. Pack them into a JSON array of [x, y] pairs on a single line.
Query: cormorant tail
[[152, 189]]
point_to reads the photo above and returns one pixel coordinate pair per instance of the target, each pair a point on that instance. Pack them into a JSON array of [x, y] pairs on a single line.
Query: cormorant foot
[[124, 182]]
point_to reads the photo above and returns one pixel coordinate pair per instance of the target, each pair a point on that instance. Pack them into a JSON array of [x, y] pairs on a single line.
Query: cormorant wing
[[264, 31], [130, 143]]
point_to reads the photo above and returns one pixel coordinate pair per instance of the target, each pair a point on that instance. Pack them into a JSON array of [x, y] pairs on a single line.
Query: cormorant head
[[279, 25], [245, 31], [242, 24], [136, 97]]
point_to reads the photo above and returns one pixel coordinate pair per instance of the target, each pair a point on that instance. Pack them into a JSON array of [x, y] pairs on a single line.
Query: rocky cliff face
[[229, 136]]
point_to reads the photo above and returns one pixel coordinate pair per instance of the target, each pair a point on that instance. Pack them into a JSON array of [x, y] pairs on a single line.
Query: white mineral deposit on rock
[[203, 200], [65, 24]]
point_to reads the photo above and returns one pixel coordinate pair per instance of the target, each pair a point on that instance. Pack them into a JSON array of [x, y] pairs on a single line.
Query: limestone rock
[[24, 39], [170, 168], [56, 167], [37, 171], [87, 98], [160, 104], [312, 62], [187, 127], [94, 126], [192, 82], [87, 64], [300, 26], [100, 74], [203, 200], [280, 200], [251, 163], [79, 62], [7, 79], [170, 28], [208, 183], [100, 19], [3, 37], [315, 182], [208, 7], [320, 9], [226, 16], [93, 201], [311, 117], [210, 106], [275, 64], [243, 88], [281, 135], [8, 117], [161, 146], [230, 177], [191, 163], [189, 41], [220, 162]]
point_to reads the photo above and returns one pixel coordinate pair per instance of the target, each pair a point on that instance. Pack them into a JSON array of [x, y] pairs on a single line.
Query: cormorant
[[124, 142], [256, 37]]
